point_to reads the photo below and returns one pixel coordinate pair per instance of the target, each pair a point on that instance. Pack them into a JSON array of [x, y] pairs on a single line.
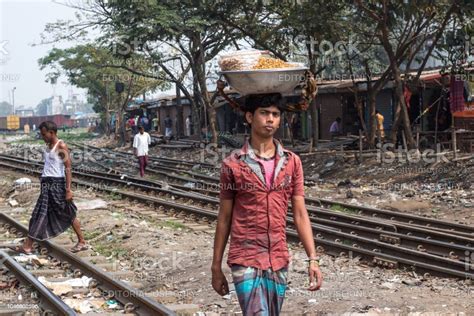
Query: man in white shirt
[[140, 148], [335, 129]]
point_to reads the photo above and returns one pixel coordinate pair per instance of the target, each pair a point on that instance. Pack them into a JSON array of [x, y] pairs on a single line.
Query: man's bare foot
[[20, 249]]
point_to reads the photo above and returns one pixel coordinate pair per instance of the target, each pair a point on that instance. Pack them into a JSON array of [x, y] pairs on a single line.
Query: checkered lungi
[[52, 214], [260, 292]]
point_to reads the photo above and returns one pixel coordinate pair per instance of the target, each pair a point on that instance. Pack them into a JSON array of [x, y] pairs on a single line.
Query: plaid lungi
[[260, 292], [52, 214]]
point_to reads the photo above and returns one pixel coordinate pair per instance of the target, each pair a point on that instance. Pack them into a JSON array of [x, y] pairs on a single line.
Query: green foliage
[[5, 108], [171, 224], [97, 70], [42, 107]]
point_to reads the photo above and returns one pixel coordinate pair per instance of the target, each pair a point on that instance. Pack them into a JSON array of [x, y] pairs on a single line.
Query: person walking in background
[[154, 123], [380, 129], [131, 122], [54, 211], [188, 125], [140, 148], [335, 129], [168, 126], [145, 123], [257, 183]]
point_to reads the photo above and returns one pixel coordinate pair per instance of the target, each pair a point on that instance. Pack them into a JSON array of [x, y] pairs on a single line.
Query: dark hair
[[338, 119], [254, 101], [140, 126], [49, 125]]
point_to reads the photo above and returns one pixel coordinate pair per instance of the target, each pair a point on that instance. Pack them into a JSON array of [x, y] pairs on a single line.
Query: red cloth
[[456, 95], [258, 228], [407, 94], [143, 162]]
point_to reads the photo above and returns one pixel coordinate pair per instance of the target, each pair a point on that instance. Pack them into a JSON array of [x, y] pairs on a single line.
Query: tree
[[42, 107], [403, 28], [5, 108], [291, 30], [161, 33], [95, 69]]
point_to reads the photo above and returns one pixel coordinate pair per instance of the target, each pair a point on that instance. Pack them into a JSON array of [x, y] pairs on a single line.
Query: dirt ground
[[171, 262]]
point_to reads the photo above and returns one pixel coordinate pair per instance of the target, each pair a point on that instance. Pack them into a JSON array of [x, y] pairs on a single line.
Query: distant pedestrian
[[380, 130], [54, 211], [145, 123], [188, 125], [335, 129], [295, 126], [140, 148], [155, 124], [168, 126], [133, 125]]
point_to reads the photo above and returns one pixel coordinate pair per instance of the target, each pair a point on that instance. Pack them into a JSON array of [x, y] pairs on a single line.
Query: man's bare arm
[[305, 233], [219, 282], [222, 231], [303, 225], [64, 154]]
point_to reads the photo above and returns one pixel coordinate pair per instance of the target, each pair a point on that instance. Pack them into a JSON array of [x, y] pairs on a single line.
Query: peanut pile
[[271, 63]]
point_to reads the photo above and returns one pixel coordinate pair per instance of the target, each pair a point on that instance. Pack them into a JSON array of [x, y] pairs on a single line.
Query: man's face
[[47, 135], [142, 130], [264, 121]]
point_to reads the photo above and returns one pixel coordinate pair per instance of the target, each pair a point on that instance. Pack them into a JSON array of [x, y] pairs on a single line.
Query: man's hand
[[219, 282], [315, 277], [68, 195]]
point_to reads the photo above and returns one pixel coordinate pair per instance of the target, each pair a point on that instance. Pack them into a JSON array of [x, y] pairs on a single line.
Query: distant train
[[15, 122]]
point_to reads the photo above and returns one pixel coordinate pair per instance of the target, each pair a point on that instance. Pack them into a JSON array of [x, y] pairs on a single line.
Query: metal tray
[[258, 81]]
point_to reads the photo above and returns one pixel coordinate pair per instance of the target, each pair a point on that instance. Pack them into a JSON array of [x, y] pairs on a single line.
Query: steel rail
[[50, 302], [430, 223], [152, 158], [131, 298], [456, 268], [422, 239], [398, 216]]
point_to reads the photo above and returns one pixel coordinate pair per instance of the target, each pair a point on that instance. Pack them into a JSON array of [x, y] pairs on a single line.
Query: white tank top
[[53, 164]]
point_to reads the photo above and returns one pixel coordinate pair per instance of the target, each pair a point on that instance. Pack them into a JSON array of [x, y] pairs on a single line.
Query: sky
[[22, 22]]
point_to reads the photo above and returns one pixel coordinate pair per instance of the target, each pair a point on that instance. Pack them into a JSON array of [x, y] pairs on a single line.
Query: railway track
[[39, 299], [386, 244], [209, 185], [163, 161], [58, 265]]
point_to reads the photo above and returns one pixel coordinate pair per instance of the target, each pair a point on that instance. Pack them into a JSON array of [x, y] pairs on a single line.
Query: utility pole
[[179, 114], [13, 99]]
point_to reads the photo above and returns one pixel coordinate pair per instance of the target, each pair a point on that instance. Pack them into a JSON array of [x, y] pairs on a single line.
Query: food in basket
[[240, 60], [251, 60], [231, 64], [271, 63]]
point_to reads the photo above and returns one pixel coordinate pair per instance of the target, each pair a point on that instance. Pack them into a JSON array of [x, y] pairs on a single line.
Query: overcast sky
[[22, 21]]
